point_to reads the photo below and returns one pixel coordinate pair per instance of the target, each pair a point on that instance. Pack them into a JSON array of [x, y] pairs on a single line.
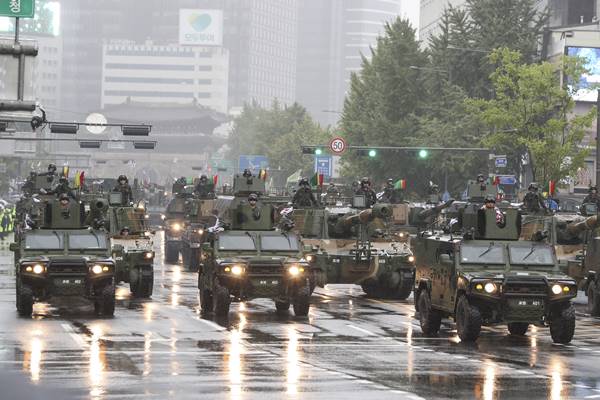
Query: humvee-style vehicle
[[480, 273], [131, 248], [251, 259], [62, 257], [174, 222]]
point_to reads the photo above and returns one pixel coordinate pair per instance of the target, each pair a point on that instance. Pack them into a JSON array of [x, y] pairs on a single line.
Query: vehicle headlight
[[310, 258], [38, 269], [295, 270], [163, 216], [97, 269], [489, 287], [237, 270], [411, 259], [557, 289], [200, 231], [148, 255], [401, 235], [146, 216], [176, 226]]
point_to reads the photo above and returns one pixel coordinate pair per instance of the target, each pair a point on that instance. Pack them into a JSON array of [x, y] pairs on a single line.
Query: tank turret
[[343, 226], [577, 227], [478, 223], [477, 192], [244, 185]]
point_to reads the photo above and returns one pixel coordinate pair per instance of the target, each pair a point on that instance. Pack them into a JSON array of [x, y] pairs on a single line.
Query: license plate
[[268, 282], [528, 303], [381, 261], [194, 245], [69, 281]]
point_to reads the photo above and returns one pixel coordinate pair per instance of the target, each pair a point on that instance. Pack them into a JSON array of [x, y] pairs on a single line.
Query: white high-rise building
[[165, 74], [429, 17]]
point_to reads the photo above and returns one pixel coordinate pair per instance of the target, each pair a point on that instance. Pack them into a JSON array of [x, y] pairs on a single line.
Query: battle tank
[[354, 245], [479, 273], [131, 245], [250, 259], [59, 254]]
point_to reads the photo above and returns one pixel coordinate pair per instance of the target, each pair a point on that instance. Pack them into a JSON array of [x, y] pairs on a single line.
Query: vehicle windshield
[[279, 243], [176, 206], [87, 241], [235, 242], [531, 255], [491, 254], [50, 241]]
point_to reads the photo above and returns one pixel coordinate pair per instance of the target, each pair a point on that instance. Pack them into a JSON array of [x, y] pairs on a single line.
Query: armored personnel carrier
[[480, 273], [131, 245], [174, 221], [355, 245], [250, 259], [60, 255]]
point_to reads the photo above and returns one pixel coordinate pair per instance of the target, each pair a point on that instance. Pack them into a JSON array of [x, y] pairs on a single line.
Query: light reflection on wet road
[[348, 347]]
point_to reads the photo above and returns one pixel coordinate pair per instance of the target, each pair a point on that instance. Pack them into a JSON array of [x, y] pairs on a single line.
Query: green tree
[[531, 115], [467, 32], [278, 133]]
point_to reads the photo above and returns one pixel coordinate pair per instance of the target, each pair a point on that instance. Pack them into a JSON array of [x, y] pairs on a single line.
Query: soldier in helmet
[[124, 231], [365, 189], [29, 184], [481, 179], [63, 188], [490, 203], [253, 202], [592, 197], [51, 171], [204, 189], [532, 201], [434, 193], [304, 196], [124, 187]]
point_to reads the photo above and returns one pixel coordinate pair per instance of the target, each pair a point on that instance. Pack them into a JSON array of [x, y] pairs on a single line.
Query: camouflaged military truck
[[131, 245], [62, 256], [250, 259], [354, 245], [480, 273]]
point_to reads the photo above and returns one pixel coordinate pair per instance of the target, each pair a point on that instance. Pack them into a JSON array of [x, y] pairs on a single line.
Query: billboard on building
[[200, 27], [590, 81]]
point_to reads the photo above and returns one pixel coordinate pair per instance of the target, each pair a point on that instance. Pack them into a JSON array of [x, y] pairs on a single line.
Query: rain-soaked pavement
[[349, 347]]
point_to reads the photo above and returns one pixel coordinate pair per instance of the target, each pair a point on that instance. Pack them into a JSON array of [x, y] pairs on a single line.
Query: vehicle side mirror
[[445, 259], [13, 247]]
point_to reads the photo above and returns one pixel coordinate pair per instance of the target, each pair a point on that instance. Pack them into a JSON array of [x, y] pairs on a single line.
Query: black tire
[[141, 286], [24, 301], [518, 328], [429, 319], [468, 320], [371, 288], [416, 294], [206, 297], [282, 306], [562, 324], [221, 300], [302, 301], [593, 295], [193, 260], [171, 253], [105, 304], [404, 288]]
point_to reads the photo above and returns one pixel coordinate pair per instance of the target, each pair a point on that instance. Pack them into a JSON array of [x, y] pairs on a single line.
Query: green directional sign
[[17, 8]]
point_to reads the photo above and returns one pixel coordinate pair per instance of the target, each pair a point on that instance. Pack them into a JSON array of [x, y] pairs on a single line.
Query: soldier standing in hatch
[[253, 202], [304, 196], [490, 204], [63, 188], [124, 187], [532, 201], [204, 189], [592, 197], [365, 189]]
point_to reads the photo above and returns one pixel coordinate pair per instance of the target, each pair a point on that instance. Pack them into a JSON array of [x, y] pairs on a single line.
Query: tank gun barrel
[[364, 217], [589, 223], [429, 212]]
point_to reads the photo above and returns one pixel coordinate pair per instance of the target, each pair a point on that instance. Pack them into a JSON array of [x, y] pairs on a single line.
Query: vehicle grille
[[265, 270], [67, 267], [525, 286]]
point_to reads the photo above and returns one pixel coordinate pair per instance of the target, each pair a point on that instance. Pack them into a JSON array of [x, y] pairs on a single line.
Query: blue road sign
[[253, 163], [323, 165], [501, 162]]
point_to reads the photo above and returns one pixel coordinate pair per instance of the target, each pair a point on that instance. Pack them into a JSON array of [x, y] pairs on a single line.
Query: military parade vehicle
[[353, 244], [479, 273], [174, 221], [199, 216], [250, 259], [131, 244], [58, 254]]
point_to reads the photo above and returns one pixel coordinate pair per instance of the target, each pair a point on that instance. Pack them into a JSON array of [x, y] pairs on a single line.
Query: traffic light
[[372, 153], [312, 150], [423, 153], [366, 152]]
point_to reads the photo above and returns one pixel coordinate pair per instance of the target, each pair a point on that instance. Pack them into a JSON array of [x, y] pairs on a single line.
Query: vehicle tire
[[302, 301], [185, 256], [562, 324], [206, 297], [404, 288], [468, 320], [221, 300], [371, 288], [105, 304], [193, 261], [593, 295], [518, 328], [429, 319], [25, 301], [282, 306], [145, 287], [171, 253]]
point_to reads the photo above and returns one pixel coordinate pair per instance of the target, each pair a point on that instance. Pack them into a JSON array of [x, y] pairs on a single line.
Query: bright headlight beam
[[97, 269], [237, 270], [489, 287], [38, 269], [294, 270], [556, 289]]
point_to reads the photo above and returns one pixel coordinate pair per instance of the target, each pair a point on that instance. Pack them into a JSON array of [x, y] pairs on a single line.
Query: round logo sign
[[337, 145]]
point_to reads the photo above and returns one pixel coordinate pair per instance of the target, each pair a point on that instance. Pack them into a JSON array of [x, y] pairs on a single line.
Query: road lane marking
[[76, 337], [361, 330], [212, 324]]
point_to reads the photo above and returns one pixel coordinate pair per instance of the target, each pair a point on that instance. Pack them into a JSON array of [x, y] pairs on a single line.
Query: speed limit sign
[[337, 145]]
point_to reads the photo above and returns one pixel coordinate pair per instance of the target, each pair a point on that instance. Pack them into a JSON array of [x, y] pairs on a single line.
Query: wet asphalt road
[[349, 347]]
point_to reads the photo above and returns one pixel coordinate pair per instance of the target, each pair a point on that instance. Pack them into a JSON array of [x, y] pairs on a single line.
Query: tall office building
[[259, 34], [429, 18], [333, 37]]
